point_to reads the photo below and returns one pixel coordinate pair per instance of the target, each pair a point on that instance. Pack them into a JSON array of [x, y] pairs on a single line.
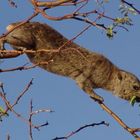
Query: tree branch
[[79, 129], [51, 3], [132, 131]]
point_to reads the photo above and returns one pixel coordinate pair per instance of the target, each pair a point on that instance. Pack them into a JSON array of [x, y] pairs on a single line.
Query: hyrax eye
[[136, 87]]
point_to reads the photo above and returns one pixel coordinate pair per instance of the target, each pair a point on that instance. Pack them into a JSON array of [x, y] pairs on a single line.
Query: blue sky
[[73, 108]]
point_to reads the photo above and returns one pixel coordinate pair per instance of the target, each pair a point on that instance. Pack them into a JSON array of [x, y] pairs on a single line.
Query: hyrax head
[[129, 86]]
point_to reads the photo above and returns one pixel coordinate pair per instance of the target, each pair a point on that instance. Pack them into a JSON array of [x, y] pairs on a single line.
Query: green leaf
[[133, 100], [124, 20], [2, 112], [109, 32]]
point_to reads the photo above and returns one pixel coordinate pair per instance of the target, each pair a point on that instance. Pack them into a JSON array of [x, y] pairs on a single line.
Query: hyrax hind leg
[[86, 85]]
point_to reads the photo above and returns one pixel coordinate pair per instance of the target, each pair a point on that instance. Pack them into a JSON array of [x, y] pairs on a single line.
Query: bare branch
[[79, 129], [24, 91], [41, 110], [21, 23], [31, 113], [51, 3], [131, 5], [120, 122], [30, 120]]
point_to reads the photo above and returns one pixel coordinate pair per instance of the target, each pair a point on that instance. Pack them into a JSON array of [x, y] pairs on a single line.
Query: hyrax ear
[[120, 76]]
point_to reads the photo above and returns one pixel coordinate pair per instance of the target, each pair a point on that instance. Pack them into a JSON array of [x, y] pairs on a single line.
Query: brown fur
[[90, 70]]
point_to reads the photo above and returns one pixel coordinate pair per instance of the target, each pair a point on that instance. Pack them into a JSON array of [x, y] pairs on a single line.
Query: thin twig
[[79, 129], [8, 137], [24, 91], [117, 118], [20, 24], [31, 114], [9, 106], [51, 3], [30, 120], [131, 5], [41, 110]]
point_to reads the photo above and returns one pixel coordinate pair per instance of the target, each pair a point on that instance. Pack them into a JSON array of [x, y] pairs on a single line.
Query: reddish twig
[[24, 91], [9, 106], [74, 15], [120, 122], [16, 68], [20, 68], [51, 3], [75, 2], [14, 53], [20, 24]]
